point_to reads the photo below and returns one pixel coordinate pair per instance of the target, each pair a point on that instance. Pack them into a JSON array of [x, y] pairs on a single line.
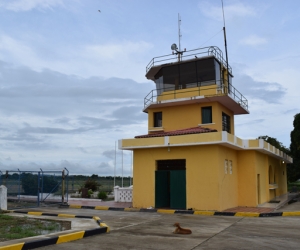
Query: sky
[[72, 78]]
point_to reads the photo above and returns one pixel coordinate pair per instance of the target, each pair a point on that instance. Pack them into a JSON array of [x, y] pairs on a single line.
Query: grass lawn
[[21, 227]]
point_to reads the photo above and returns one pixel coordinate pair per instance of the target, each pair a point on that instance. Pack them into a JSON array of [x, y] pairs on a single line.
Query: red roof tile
[[195, 130]]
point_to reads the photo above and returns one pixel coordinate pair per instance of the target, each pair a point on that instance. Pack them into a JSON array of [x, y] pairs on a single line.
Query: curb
[[103, 228], [171, 211]]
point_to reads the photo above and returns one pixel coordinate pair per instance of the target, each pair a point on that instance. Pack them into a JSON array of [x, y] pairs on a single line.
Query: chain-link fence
[[33, 188], [104, 183]]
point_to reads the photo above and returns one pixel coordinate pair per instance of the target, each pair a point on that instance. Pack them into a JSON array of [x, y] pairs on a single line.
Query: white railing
[[123, 194]]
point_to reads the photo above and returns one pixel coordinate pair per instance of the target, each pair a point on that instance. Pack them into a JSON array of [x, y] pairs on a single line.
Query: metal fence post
[[19, 188], [63, 187], [67, 190], [38, 191]]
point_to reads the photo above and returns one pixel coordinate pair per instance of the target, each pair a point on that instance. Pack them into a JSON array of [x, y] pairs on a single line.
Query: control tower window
[[158, 119], [225, 122], [206, 115]]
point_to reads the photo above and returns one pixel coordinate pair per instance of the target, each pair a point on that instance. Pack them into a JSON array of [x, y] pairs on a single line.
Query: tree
[[275, 143], [293, 171]]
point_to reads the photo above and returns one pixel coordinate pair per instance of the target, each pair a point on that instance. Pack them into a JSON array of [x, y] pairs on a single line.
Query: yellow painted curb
[[35, 213], [128, 209], [102, 224], [246, 214], [66, 215], [96, 218], [70, 237], [204, 213], [75, 206], [165, 211], [296, 213], [18, 246], [101, 208]]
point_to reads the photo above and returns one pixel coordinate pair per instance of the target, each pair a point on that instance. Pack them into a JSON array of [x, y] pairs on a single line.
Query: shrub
[[91, 184], [90, 192], [102, 195]]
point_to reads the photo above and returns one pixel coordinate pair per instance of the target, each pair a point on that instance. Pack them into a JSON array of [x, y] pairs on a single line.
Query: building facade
[[190, 158]]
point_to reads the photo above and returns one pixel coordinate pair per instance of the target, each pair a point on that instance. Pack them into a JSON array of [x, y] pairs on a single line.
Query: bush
[[102, 195], [90, 192], [91, 184]]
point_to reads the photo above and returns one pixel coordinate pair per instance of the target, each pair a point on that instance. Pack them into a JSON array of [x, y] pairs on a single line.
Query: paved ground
[[145, 230], [142, 230]]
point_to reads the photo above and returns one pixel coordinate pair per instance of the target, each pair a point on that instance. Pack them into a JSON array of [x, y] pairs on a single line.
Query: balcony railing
[[206, 89], [189, 54]]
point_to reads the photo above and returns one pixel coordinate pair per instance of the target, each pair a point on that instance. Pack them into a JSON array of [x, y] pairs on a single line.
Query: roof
[[187, 131]]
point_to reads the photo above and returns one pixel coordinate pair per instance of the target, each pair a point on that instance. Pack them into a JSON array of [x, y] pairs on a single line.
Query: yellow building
[[190, 157]]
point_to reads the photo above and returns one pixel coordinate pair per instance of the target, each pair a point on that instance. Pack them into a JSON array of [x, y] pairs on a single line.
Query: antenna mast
[[179, 33], [174, 46], [229, 87]]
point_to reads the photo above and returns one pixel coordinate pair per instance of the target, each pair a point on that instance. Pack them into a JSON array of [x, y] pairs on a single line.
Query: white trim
[[246, 143], [224, 136], [206, 124], [154, 129], [166, 140]]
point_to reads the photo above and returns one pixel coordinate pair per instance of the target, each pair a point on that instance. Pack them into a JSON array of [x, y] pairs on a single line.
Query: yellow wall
[[188, 116], [247, 192], [262, 168], [208, 187], [228, 183], [188, 92], [279, 169], [143, 142]]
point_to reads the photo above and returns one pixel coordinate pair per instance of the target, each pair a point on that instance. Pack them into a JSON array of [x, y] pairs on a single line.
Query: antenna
[[174, 46], [229, 87], [179, 33]]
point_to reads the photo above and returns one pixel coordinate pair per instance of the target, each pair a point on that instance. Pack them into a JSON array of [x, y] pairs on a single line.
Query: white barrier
[[3, 197], [123, 194]]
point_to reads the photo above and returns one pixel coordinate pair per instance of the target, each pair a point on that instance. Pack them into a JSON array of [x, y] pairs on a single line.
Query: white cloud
[[27, 5], [231, 11], [254, 40], [104, 60]]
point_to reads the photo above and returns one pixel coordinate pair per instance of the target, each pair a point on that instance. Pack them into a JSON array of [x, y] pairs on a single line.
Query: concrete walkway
[[263, 208]]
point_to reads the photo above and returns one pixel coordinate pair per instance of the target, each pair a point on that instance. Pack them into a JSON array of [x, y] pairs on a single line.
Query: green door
[[177, 189], [162, 188]]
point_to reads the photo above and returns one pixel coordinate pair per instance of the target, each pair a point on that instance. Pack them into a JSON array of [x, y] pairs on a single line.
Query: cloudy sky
[[72, 79]]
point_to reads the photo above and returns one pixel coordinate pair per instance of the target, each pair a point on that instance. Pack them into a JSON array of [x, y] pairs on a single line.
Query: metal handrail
[[189, 54], [231, 91]]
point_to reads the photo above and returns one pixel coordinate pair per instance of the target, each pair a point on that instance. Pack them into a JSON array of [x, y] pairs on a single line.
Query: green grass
[[294, 185], [22, 227]]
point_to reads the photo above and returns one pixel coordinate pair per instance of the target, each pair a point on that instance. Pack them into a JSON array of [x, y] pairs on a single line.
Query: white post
[[3, 197], [131, 168], [122, 167], [115, 164]]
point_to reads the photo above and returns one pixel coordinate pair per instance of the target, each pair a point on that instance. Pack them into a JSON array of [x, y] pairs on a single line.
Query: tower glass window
[[206, 115], [158, 119], [225, 122]]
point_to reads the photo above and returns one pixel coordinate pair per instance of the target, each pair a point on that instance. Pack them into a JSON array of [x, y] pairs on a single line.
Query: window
[[158, 119], [225, 122], [206, 115], [226, 167]]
